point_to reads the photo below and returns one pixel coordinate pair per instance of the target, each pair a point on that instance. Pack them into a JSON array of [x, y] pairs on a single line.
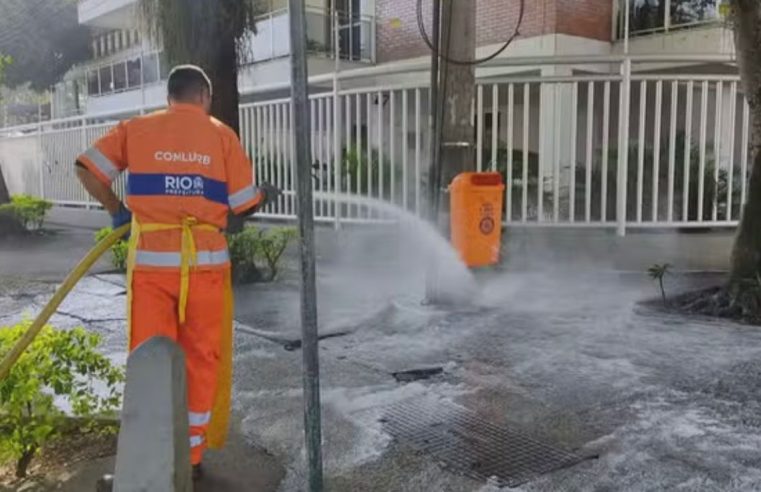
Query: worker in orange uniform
[[187, 171]]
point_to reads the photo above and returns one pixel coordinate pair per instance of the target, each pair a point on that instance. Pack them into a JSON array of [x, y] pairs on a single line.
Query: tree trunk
[[23, 463], [746, 255], [5, 197], [458, 42], [223, 72]]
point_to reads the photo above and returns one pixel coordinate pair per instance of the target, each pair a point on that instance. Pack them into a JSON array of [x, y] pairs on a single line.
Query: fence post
[[82, 147], [40, 158], [623, 144], [337, 204]]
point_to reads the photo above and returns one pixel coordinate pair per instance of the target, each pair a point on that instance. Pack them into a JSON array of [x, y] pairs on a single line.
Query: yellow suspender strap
[[188, 254]]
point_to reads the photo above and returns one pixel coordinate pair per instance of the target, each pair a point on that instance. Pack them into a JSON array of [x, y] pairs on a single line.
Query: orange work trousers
[[155, 297]]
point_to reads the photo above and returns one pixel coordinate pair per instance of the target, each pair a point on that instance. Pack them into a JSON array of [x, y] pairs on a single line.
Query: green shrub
[[272, 244], [253, 247], [118, 250], [251, 251], [58, 364], [243, 248], [30, 211]]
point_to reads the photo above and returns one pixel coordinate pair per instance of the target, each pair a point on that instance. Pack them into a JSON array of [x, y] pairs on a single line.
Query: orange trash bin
[[476, 217]]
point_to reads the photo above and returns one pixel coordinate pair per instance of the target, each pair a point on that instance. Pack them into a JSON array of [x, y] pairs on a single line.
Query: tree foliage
[[58, 365], [209, 34], [44, 39]]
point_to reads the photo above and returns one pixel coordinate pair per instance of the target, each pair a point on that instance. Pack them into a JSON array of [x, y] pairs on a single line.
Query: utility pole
[[456, 92], [302, 134], [452, 94]]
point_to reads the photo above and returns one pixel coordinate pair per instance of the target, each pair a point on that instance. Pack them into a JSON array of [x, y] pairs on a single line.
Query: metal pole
[[337, 155], [434, 170], [627, 10], [300, 99]]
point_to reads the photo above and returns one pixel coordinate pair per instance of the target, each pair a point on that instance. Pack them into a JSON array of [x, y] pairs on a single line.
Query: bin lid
[[474, 179]]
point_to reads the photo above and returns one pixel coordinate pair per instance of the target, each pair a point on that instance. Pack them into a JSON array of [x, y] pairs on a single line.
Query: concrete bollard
[[153, 451]]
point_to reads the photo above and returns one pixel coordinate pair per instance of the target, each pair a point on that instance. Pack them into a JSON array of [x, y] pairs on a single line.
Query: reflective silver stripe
[[102, 163], [243, 196], [196, 441], [173, 259], [198, 419]]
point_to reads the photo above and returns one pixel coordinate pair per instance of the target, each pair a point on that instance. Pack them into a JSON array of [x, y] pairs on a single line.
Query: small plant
[[59, 364], [253, 246], [272, 244], [658, 272], [243, 248], [118, 250], [30, 211]]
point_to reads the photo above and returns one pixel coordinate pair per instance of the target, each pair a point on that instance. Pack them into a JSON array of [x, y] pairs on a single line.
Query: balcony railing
[[126, 74], [657, 16], [356, 36]]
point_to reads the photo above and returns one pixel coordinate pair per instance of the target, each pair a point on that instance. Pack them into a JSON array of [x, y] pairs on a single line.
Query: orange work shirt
[[181, 163]]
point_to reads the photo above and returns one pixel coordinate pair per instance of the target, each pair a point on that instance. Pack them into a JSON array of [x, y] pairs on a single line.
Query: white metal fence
[[594, 144]]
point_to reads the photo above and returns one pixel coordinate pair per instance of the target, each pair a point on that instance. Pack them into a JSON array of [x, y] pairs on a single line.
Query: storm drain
[[472, 446]]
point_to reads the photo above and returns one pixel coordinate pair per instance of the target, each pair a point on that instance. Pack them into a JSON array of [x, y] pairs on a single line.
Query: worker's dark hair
[[186, 81]]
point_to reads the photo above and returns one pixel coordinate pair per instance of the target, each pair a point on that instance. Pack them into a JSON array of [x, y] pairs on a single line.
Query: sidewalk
[[26, 265]]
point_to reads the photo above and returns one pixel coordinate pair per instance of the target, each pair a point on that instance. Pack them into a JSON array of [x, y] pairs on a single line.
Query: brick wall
[[495, 21], [586, 18]]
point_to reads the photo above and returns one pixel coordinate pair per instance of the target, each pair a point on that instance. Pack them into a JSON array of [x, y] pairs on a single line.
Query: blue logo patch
[[183, 185], [177, 185]]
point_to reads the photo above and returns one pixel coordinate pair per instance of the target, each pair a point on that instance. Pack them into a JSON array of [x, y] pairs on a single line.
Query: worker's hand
[[121, 217], [235, 223], [271, 193]]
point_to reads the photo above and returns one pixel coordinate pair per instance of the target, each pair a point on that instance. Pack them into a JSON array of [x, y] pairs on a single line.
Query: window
[[106, 80], [93, 87], [350, 29], [150, 68], [647, 15], [691, 11], [659, 15], [133, 73], [120, 76]]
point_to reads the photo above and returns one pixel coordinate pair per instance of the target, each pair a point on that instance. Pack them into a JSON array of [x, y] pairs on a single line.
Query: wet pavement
[[556, 348]]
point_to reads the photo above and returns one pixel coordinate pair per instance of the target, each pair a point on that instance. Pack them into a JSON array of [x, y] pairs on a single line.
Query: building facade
[[589, 125], [127, 68]]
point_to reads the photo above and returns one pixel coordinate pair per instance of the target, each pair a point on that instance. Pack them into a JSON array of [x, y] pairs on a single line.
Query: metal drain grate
[[473, 446]]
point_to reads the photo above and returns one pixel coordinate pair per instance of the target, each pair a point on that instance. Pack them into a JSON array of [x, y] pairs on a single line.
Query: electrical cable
[[427, 39]]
